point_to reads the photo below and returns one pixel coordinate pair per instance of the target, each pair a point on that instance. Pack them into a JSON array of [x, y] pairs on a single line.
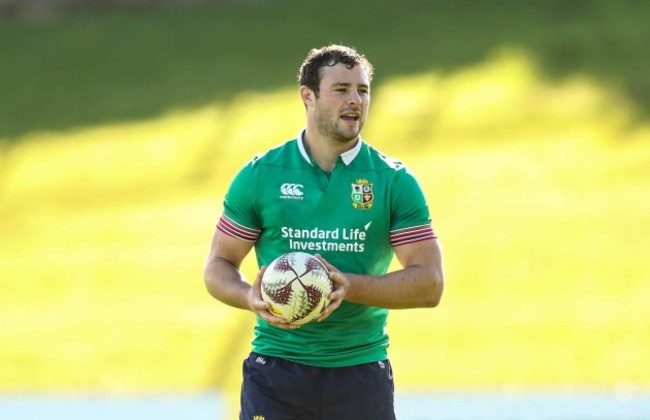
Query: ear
[[307, 95]]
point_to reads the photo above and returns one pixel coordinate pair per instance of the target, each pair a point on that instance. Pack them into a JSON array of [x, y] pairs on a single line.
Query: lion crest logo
[[362, 195]]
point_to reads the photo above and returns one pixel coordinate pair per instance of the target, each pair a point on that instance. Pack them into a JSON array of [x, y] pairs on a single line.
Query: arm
[[226, 283], [418, 284]]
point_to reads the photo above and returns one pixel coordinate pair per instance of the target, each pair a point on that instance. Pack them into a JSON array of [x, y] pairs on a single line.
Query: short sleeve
[[239, 218], [410, 218]]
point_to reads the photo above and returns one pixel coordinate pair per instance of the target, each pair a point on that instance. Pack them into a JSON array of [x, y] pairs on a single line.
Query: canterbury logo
[[292, 190]]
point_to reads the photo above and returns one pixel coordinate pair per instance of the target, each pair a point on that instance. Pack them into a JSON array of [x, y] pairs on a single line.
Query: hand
[[262, 308], [341, 285]]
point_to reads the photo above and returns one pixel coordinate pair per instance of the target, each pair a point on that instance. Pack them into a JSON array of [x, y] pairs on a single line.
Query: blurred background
[[123, 121]]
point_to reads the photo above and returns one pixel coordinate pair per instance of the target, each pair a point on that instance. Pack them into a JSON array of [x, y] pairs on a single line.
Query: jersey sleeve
[[410, 218], [239, 218]]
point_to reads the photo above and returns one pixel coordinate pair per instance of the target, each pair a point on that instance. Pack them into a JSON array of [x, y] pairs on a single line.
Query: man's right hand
[[263, 308]]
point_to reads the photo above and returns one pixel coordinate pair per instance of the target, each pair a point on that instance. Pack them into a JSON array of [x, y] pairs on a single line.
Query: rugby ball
[[297, 286]]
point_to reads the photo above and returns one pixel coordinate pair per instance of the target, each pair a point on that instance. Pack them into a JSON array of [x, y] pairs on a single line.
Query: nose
[[354, 98]]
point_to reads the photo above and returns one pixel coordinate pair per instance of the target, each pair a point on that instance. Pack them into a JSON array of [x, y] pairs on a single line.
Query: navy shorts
[[277, 389]]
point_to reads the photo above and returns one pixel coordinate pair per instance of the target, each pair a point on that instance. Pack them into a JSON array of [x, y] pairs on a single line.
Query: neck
[[325, 150]]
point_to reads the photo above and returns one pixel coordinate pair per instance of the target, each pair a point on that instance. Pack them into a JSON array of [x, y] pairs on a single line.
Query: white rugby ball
[[297, 286]]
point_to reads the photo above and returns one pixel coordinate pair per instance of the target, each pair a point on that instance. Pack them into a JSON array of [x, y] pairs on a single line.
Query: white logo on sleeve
[[292, 191]]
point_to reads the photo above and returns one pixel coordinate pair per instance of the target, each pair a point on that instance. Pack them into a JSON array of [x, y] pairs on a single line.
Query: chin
[[349, 134], [346, 138]]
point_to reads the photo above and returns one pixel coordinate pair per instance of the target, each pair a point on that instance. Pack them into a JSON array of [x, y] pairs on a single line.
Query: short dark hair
[[309, 73]]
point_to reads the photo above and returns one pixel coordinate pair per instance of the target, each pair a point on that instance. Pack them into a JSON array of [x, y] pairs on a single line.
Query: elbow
[[209, 285], [434, 294], [206, 277], [432, 301], [210, 281]]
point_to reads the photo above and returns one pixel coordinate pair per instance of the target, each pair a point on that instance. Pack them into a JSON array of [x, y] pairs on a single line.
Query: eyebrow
[[342, 84]]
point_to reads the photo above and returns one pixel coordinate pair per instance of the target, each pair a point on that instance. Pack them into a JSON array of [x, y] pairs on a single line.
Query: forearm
[[225, 283], [412, 287]]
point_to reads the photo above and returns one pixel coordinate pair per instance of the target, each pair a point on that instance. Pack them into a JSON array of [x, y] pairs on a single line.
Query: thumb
[[327, 265], [257, 291], [258, 278]]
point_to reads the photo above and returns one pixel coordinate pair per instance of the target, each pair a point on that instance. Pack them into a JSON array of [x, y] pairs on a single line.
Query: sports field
[[115, 157]]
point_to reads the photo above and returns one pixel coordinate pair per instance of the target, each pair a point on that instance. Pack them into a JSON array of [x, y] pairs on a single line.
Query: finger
[[278, 321], [264, 311], [261, 305], [327, 265], [339, 287], [331, 307], [286, 326], [337, 296], [334, 304], [258, 278], [337, 278], [256, 292]]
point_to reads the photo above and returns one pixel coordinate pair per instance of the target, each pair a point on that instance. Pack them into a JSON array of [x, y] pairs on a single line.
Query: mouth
[[350, 116]]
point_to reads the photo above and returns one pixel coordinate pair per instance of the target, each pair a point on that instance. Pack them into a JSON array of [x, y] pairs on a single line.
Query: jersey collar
[[347, 157]]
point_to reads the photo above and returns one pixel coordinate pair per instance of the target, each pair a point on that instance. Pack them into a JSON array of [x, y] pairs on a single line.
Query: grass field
[[86, 70], [538, 187]]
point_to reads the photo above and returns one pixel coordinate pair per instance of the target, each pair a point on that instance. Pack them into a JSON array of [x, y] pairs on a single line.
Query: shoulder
[[393, 171], [382, 162], [282, 155], [279, 156]]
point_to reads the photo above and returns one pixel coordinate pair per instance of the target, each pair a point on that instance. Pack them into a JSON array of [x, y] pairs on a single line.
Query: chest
[[346, 206]]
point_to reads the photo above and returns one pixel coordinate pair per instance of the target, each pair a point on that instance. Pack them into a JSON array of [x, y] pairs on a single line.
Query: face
[[341, 107]]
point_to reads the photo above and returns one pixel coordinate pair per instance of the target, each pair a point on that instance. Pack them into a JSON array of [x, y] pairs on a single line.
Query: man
[[329, 193]]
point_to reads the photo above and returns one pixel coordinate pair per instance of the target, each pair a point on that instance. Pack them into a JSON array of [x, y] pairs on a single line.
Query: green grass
[[123, 66], [547, 287], [537, 186]]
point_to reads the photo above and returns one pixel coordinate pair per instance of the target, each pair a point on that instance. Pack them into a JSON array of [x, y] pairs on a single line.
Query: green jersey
[[354, 216]]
